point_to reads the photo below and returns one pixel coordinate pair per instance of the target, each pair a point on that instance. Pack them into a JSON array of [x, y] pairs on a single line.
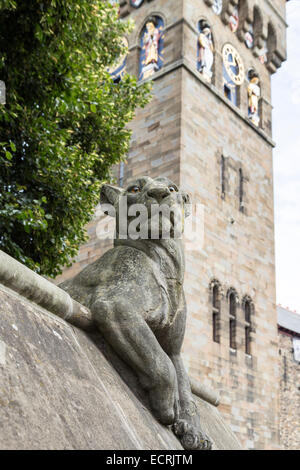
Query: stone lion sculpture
[[135, 293]]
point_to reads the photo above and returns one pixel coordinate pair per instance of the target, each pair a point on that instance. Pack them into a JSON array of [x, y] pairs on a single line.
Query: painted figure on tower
[[151, 40], [151, 47], [234, 20], [249, 37], [205, 51], [136, 3], [263, 53], [253, 97]]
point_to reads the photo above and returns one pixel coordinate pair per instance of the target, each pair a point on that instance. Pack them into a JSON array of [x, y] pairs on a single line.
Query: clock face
[[217, 6], [136, 3], [233, 64]]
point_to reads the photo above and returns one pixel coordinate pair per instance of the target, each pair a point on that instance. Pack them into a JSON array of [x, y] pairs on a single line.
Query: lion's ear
[[110, 194], [187, 204]]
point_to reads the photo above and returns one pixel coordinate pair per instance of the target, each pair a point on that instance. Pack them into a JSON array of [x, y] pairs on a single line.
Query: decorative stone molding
[[124, 8], [247, 298], [228, 9], [209, 2], [215, 283], [233, 291]]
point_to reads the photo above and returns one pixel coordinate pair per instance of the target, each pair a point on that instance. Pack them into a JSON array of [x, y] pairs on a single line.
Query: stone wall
[[289, 394], [61, 388]]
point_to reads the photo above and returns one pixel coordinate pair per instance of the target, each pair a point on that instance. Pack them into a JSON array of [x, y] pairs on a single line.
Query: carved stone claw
[[180, 427], [204, 442], [190, 437]]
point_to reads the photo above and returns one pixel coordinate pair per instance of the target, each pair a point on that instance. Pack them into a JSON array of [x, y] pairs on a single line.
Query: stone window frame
[[233, 302], [225, 164], [241, 190], [243, 9], [223, 178], [258, 25], [248, 323], [242, 193], [215, 290], [271, 42]]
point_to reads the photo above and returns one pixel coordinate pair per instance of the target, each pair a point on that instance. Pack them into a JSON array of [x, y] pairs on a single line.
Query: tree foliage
[[63, 125]]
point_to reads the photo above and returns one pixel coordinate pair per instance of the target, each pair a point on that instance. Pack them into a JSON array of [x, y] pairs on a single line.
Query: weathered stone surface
[[24, 281], [61, 388], [289, 391]]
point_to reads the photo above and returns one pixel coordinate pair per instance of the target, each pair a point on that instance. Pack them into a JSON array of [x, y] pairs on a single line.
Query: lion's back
[[121, 271]]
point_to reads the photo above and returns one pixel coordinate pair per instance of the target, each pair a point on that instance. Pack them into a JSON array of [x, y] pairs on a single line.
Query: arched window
[[243, 13], [223, 177], [216, 309], [152, 46], [216, 5], [241, 190], [271, 42], [257, 25], [232, 299], [205, 51], [248, 312]]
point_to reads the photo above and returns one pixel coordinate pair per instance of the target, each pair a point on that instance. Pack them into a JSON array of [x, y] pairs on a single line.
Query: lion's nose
[[158, 193]]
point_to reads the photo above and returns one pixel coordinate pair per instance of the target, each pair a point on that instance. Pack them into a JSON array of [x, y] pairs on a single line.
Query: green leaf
[[12, 146], [8, 155]]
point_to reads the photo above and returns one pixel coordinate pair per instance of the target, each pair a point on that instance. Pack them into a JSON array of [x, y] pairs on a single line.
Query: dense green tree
[[63, 125]]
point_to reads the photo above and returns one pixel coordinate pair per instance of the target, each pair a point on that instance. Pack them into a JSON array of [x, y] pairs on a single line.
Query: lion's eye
[[172, 189], [134, 189]]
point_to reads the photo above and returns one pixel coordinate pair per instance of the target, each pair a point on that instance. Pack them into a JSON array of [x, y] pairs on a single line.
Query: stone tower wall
[[289, 393]]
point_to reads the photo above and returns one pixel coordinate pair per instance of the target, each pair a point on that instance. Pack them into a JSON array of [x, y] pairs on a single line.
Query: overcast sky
[[286, 133]]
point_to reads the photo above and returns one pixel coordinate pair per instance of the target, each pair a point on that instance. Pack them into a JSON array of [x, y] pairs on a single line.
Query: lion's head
[[147, 208]]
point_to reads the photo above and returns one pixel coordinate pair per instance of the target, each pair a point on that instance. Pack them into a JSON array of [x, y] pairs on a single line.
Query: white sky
[[286, 133]]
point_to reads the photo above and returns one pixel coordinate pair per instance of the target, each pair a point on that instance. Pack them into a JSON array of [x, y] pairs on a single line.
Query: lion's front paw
[[191, 438]]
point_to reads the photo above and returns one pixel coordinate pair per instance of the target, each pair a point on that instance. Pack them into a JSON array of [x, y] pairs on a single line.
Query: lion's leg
[[132, 339], [188, 426]]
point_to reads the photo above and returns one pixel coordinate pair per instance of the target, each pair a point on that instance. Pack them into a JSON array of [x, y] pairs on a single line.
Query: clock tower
[[209, 129]]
